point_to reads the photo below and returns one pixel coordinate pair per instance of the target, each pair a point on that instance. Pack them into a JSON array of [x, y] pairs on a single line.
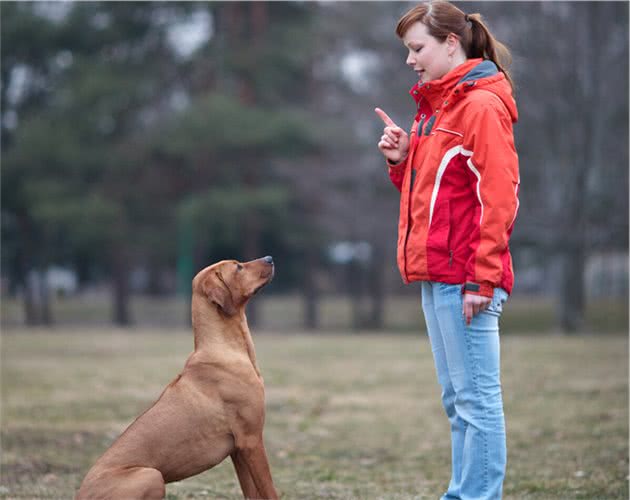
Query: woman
[[457, 171]]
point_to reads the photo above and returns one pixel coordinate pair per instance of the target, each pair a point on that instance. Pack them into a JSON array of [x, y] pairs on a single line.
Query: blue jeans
[[467, 361]]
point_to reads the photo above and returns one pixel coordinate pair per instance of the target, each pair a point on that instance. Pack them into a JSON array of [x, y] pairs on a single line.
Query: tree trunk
[[27, 276], [310, 296], [37, 304], [45, 300], [355, 282], [154, 284], [572, 296], [31, 313], [585, 147], [120, 289], [376, 288]]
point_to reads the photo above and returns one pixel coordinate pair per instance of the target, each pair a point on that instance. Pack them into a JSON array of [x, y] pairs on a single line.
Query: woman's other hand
[[394, 143], [474, 304]]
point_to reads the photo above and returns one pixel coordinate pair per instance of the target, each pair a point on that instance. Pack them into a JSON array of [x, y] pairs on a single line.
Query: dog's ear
[[218, 292]]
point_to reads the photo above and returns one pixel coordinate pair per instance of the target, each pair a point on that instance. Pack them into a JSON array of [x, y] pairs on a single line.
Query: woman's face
[[428, 57]]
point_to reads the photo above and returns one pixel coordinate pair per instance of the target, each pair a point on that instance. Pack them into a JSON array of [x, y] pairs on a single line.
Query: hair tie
[[466, 18]]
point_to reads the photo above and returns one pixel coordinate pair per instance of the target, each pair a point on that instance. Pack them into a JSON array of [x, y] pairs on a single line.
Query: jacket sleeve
[[493, 164], [397, 172]]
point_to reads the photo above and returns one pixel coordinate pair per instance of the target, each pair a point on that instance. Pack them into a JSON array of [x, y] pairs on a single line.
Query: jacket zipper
[[450, 258], [411, 183], [412, 150], [416, 139]]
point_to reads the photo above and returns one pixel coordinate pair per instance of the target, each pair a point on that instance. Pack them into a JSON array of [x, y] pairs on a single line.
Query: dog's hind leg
[[144, 483], [137, 483]]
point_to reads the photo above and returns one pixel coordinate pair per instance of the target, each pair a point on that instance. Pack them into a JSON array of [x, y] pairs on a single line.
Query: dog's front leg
[[252, 453], [244, 477]]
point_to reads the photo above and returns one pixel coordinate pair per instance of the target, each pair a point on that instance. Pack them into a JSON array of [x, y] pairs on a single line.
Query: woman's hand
[[394, 143], [474, 304]]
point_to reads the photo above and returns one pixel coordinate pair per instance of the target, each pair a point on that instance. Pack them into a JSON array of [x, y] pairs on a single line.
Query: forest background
[[142, 141]]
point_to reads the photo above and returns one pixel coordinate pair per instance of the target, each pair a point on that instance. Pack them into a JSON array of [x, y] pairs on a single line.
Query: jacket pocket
[[449, 131], [440, 228]]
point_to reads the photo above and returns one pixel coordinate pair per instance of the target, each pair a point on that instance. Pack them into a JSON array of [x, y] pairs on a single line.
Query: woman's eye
[[239, 267]]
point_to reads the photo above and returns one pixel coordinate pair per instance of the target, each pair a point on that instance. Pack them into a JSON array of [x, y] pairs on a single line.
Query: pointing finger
[[383, 116]]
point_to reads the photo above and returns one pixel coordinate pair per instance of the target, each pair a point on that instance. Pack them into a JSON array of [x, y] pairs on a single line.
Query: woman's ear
[[218, 293], [453, 43]]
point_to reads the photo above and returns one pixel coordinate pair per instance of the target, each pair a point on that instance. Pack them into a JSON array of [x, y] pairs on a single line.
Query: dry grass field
[[348, 416]]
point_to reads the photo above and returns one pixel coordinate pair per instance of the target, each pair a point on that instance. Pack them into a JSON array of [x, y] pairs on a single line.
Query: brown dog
[[214, 408]]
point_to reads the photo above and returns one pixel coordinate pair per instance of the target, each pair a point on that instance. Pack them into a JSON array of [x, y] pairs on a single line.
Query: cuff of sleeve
[[397, 165], [472, 288]]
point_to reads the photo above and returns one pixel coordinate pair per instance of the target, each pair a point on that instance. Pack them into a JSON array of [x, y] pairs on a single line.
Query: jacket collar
[[435, 90], [484, 69]]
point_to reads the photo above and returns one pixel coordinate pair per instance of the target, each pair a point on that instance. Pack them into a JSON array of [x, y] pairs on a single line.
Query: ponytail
[[485, 46]]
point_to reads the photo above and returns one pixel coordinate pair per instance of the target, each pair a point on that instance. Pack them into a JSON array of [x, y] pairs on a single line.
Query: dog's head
[[230, 284]]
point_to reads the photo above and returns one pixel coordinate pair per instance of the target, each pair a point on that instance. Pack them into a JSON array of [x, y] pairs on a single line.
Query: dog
[[214, 408]]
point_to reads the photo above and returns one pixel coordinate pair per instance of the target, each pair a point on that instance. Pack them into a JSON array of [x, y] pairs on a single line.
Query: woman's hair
[[443, 18]]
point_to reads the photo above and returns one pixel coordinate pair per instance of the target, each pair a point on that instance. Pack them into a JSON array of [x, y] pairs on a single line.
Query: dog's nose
[[268, 259]]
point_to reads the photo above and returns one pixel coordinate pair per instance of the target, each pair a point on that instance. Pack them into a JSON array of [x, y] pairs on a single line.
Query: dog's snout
[[268, 259]]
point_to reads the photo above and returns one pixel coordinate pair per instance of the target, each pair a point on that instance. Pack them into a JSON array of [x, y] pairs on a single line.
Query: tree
[[67, 167], [574, 154], [245, 118]]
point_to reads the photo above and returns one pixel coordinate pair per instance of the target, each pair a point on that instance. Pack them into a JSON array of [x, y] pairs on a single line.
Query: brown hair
[[443, 18]]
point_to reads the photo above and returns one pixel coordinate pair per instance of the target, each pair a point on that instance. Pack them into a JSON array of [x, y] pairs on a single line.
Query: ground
[[348, 416]]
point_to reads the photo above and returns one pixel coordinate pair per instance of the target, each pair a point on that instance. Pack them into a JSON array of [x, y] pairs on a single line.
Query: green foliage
[[222, 126], [100, 159], [26, 37]]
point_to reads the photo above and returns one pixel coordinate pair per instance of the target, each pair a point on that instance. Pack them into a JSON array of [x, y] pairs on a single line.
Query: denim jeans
[[467, 361]]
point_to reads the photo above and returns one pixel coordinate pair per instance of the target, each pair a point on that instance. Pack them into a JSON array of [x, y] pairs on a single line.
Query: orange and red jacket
[[459, 182]]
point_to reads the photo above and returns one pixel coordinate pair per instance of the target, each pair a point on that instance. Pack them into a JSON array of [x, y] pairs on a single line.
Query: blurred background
[[144, 141]]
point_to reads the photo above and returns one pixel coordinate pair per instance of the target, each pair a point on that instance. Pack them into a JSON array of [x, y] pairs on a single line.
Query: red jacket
[[459, 182]]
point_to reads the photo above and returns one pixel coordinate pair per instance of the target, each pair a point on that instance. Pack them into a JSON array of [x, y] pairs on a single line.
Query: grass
[[348, 416]]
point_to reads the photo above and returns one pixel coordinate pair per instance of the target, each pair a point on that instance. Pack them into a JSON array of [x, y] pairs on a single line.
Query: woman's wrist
[[392, 163]]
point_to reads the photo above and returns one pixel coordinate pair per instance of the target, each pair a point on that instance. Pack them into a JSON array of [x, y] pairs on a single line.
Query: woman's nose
[[410, 60]]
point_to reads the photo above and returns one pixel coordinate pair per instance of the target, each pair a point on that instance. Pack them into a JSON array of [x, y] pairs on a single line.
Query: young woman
[[457, 172]]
